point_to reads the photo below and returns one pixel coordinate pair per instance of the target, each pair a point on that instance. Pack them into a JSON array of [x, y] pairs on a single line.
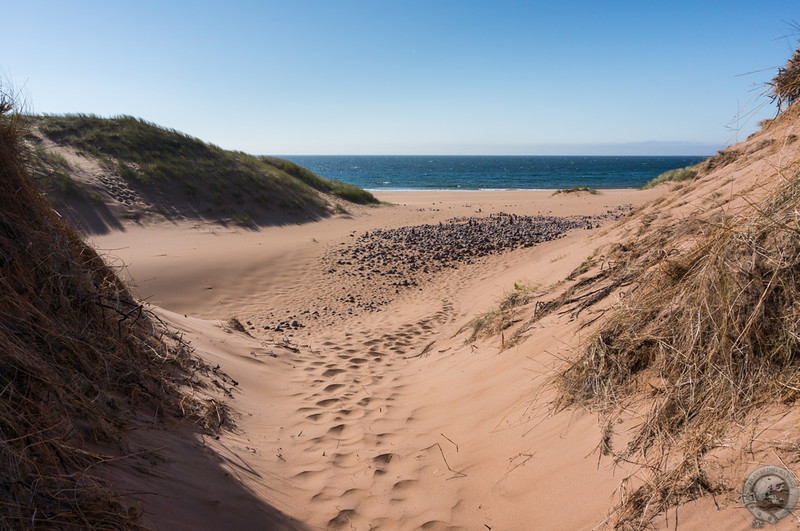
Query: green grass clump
[[127, 172], [52, 174], [522, 295], [679, 174], [575, 189], [504, 316], [345, 191], [339, 209]]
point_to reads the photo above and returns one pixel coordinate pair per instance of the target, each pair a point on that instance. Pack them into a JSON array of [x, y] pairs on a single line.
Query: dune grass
[[676, 175], [706, 339], [786, 84], [576, 189], [339, 189], [214, 180], [503, 316], [81, 360], [710, 336], [53, 174]]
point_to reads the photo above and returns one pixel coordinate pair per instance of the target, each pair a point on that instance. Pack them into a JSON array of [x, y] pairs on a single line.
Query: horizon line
[[487, 155]]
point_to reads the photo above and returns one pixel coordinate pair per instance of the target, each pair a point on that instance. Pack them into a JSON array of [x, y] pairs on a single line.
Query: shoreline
[[483, 202], [441, 190]]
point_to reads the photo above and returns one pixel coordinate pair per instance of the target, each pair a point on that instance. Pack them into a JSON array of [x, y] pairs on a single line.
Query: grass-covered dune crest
[[138, 169]]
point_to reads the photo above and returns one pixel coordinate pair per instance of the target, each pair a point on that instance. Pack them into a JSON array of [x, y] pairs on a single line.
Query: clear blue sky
[[409, 76]]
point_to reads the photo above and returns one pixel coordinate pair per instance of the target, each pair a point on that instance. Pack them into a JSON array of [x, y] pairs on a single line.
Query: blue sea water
[[417, 172]]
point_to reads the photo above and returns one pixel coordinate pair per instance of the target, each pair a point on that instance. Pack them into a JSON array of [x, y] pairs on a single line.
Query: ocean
[[418, 172]]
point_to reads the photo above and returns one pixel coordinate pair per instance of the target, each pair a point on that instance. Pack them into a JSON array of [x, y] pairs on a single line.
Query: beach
[[216, 272], [360, 403], [396, 366], [399, 273]]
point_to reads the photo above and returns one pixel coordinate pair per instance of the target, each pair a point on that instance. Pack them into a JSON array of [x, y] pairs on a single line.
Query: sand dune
[[384, 417], [361, 402]]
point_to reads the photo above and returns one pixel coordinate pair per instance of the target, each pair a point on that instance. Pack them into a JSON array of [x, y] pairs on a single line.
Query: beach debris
[[392, 261], [404, 257]]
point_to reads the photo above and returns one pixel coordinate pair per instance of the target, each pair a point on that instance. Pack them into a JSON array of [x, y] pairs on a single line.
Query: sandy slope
[[387, 416], [343, 422]]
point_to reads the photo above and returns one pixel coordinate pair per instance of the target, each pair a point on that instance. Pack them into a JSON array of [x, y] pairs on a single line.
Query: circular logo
[[770, 493]]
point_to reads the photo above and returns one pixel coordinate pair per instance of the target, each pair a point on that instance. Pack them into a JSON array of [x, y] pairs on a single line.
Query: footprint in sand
[[350, 414], [437, 525], [401, 487], [343, 519], [377, 439], [383, 459], [343, 460], [308, 475], [323, 497]]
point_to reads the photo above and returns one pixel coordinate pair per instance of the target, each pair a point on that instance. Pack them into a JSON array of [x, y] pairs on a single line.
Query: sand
[[376, 409]]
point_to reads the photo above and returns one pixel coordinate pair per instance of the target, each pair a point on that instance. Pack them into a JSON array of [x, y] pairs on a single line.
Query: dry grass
[[720, 160], [505, 316], [710, 336], [707, 336], [79, 360], [786, 84]]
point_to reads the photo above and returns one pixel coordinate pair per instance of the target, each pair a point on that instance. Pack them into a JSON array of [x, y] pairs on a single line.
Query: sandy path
[[345, 422], [383, 415]]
